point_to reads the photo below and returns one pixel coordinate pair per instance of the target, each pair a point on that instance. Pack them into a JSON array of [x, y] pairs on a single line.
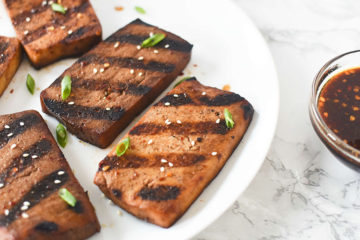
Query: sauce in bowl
[[339, 105]]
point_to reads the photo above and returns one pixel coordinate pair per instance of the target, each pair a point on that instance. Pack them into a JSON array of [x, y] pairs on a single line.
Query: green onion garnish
[[153, 40], [58, 8], [65, 87], [30, 83], [122, 147], [182, 80], [61, 135], [228, 119], [140, 10], [67, 197]]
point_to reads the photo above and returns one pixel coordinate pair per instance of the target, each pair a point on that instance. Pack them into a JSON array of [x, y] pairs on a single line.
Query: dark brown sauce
[[339, 105]]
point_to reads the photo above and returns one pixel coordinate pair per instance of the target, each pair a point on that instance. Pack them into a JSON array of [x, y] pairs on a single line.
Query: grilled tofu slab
[[176, 149], [32, 170], [10, 58], [115, 81], [48, 36]]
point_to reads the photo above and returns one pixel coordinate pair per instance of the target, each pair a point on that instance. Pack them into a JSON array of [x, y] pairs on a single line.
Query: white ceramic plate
[[228, 49]]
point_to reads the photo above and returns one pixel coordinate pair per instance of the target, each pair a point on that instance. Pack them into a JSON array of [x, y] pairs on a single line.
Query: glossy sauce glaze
[[339, 105]]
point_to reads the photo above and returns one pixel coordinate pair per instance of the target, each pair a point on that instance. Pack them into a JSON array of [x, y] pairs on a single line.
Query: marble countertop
[[301, 191]]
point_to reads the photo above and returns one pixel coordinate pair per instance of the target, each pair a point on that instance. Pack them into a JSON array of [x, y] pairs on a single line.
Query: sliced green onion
[[122, 147], [30, 84], [65, 87], [153, 40], [67, 197], [182, 80], [58, 8], [61, 135], [228, 119], [140, 10]]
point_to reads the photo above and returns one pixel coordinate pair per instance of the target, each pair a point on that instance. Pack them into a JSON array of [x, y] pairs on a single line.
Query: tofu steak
[[32, 170], [48, 36], [10, 58], [176, 149], [115, 81]]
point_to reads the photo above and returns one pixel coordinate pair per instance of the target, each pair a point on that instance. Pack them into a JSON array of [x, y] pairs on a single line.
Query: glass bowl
[[347, 154]]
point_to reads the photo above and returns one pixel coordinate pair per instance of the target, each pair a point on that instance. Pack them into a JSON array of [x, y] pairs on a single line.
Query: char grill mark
[[134, 161], [37, 193], [46, 227], [20, 163], [248, 111], [78, 33], [159, 193], [63, 109], [220, 100], [33, 35], [128, 63], [3, 46], [182, 99], [185, 128], [171, 44], [105, 85], [16, 129]]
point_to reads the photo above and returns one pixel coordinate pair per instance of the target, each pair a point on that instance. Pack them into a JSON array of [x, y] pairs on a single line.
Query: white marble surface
[[301, 191]]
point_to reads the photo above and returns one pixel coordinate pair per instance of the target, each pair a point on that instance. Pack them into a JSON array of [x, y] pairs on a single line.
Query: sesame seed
[[218, 120], [151, 34], [162, 169], [79, 15], [119, 213], [27, 19], [71, 103], [51, 2], [62, 27], [163, 160], [22, 123], [24, 215], [167, 104], [167, 46], [140, 74], [10, 134], [178, 121], [203, 93], [132, 71], [105, 168], [7, 126], [214, 153], [44, 3], [57, 181], [108, 109], [95, 70], [24, 208], [61, 173], [150, 141], [26, 203], [175, 95], [70, 32], [106, 65], [138, 47], [193, 143], [171, 164], [141, 58], [25, 155], [26, 32], [168, 122], [116, 45], [13, 146], [156, 51], [32, 10], [1, 185], [34, 156], [102, 70], [6, 212], [51, 28]]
